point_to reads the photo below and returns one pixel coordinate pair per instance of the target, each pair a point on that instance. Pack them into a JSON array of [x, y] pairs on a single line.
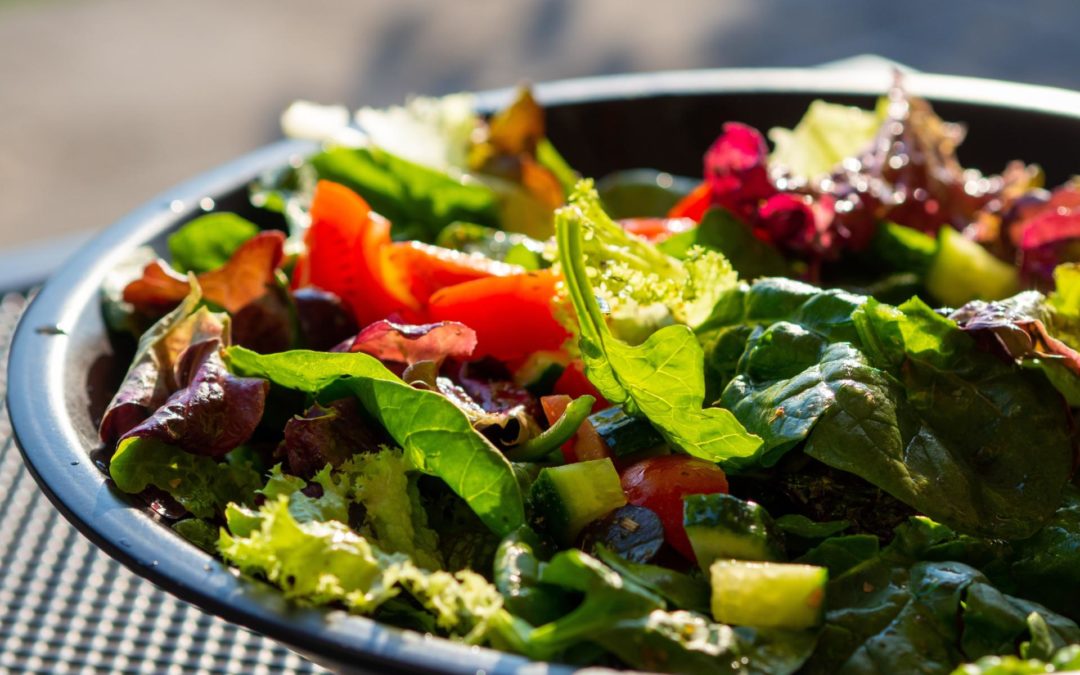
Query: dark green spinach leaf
[[208, 242]]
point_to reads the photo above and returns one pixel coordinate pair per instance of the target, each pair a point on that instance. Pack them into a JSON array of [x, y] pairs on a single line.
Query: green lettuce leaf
[[685, 642], [419, 201], [789, 377], [1046, 567], [333, 504], [518, 561], [628, 272], [208, 242], [798, 525], [200, 484], [662, 378], [394, 518], [436, 436], [200, 532], [1064, 304], [608, 599], [393, 512], [826, 135]]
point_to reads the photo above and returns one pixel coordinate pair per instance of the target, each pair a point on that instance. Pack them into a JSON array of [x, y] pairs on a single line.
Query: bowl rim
[[57, 457]]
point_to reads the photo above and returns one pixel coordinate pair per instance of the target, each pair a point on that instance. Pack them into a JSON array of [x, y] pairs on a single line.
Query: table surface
[[66, 606]]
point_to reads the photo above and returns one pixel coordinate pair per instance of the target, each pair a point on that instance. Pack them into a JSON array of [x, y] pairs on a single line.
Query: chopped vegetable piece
[[768, 595], [661, 483], [513, 316], [720, 526], [564, 499], [962, 271]]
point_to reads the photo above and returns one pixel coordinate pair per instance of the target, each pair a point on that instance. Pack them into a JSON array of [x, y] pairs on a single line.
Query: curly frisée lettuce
[[355, 414], [320, 562]]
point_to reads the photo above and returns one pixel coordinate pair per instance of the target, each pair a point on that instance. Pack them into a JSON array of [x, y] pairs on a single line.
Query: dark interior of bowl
[[60, 384]]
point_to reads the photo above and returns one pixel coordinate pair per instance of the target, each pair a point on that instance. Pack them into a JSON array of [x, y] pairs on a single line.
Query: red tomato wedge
[[656, 230], [428, 268], [693, 205], [512, 316], [347, 254], [574, 383], [660, 483]]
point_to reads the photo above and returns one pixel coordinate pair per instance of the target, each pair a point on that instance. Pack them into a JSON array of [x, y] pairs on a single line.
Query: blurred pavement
[[104, 103]]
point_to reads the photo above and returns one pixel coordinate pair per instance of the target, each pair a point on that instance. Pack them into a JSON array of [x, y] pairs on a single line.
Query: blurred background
[[104, 103]]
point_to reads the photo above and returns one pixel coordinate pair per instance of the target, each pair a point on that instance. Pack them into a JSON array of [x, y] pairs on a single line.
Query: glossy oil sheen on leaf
[[212, 412], [434, 433], [967, 439]]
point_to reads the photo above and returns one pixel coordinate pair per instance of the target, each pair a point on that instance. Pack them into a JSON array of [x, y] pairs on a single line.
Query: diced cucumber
[[564, 499], [720, 526], [625, 434], [540, 372], [962, 270], [768, 595], [903, 249]]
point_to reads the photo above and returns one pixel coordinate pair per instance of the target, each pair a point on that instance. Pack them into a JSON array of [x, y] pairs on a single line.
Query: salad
[[810, 412]]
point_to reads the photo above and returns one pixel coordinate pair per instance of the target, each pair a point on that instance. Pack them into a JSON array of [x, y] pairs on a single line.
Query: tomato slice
[[660, 483], [693, 205], [347, 254], [656, 230], [512, 316], [429, 268]]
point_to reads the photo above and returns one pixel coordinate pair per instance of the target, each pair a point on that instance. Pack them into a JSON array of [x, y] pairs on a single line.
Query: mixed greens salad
[[812, 412]]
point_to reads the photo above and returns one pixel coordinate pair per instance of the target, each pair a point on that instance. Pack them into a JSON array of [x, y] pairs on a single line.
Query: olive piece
[[632, 532]]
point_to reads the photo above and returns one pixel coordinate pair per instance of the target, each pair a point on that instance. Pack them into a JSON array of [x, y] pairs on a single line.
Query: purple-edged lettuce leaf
[[405, 343], [151, 378], [213, 412], [268, 323], [329, 434], [244, 278], [1016, 329], [324, 320], [505, 427]]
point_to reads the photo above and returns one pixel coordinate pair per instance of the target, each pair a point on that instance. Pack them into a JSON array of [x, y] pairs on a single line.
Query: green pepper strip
[[564, 428]]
